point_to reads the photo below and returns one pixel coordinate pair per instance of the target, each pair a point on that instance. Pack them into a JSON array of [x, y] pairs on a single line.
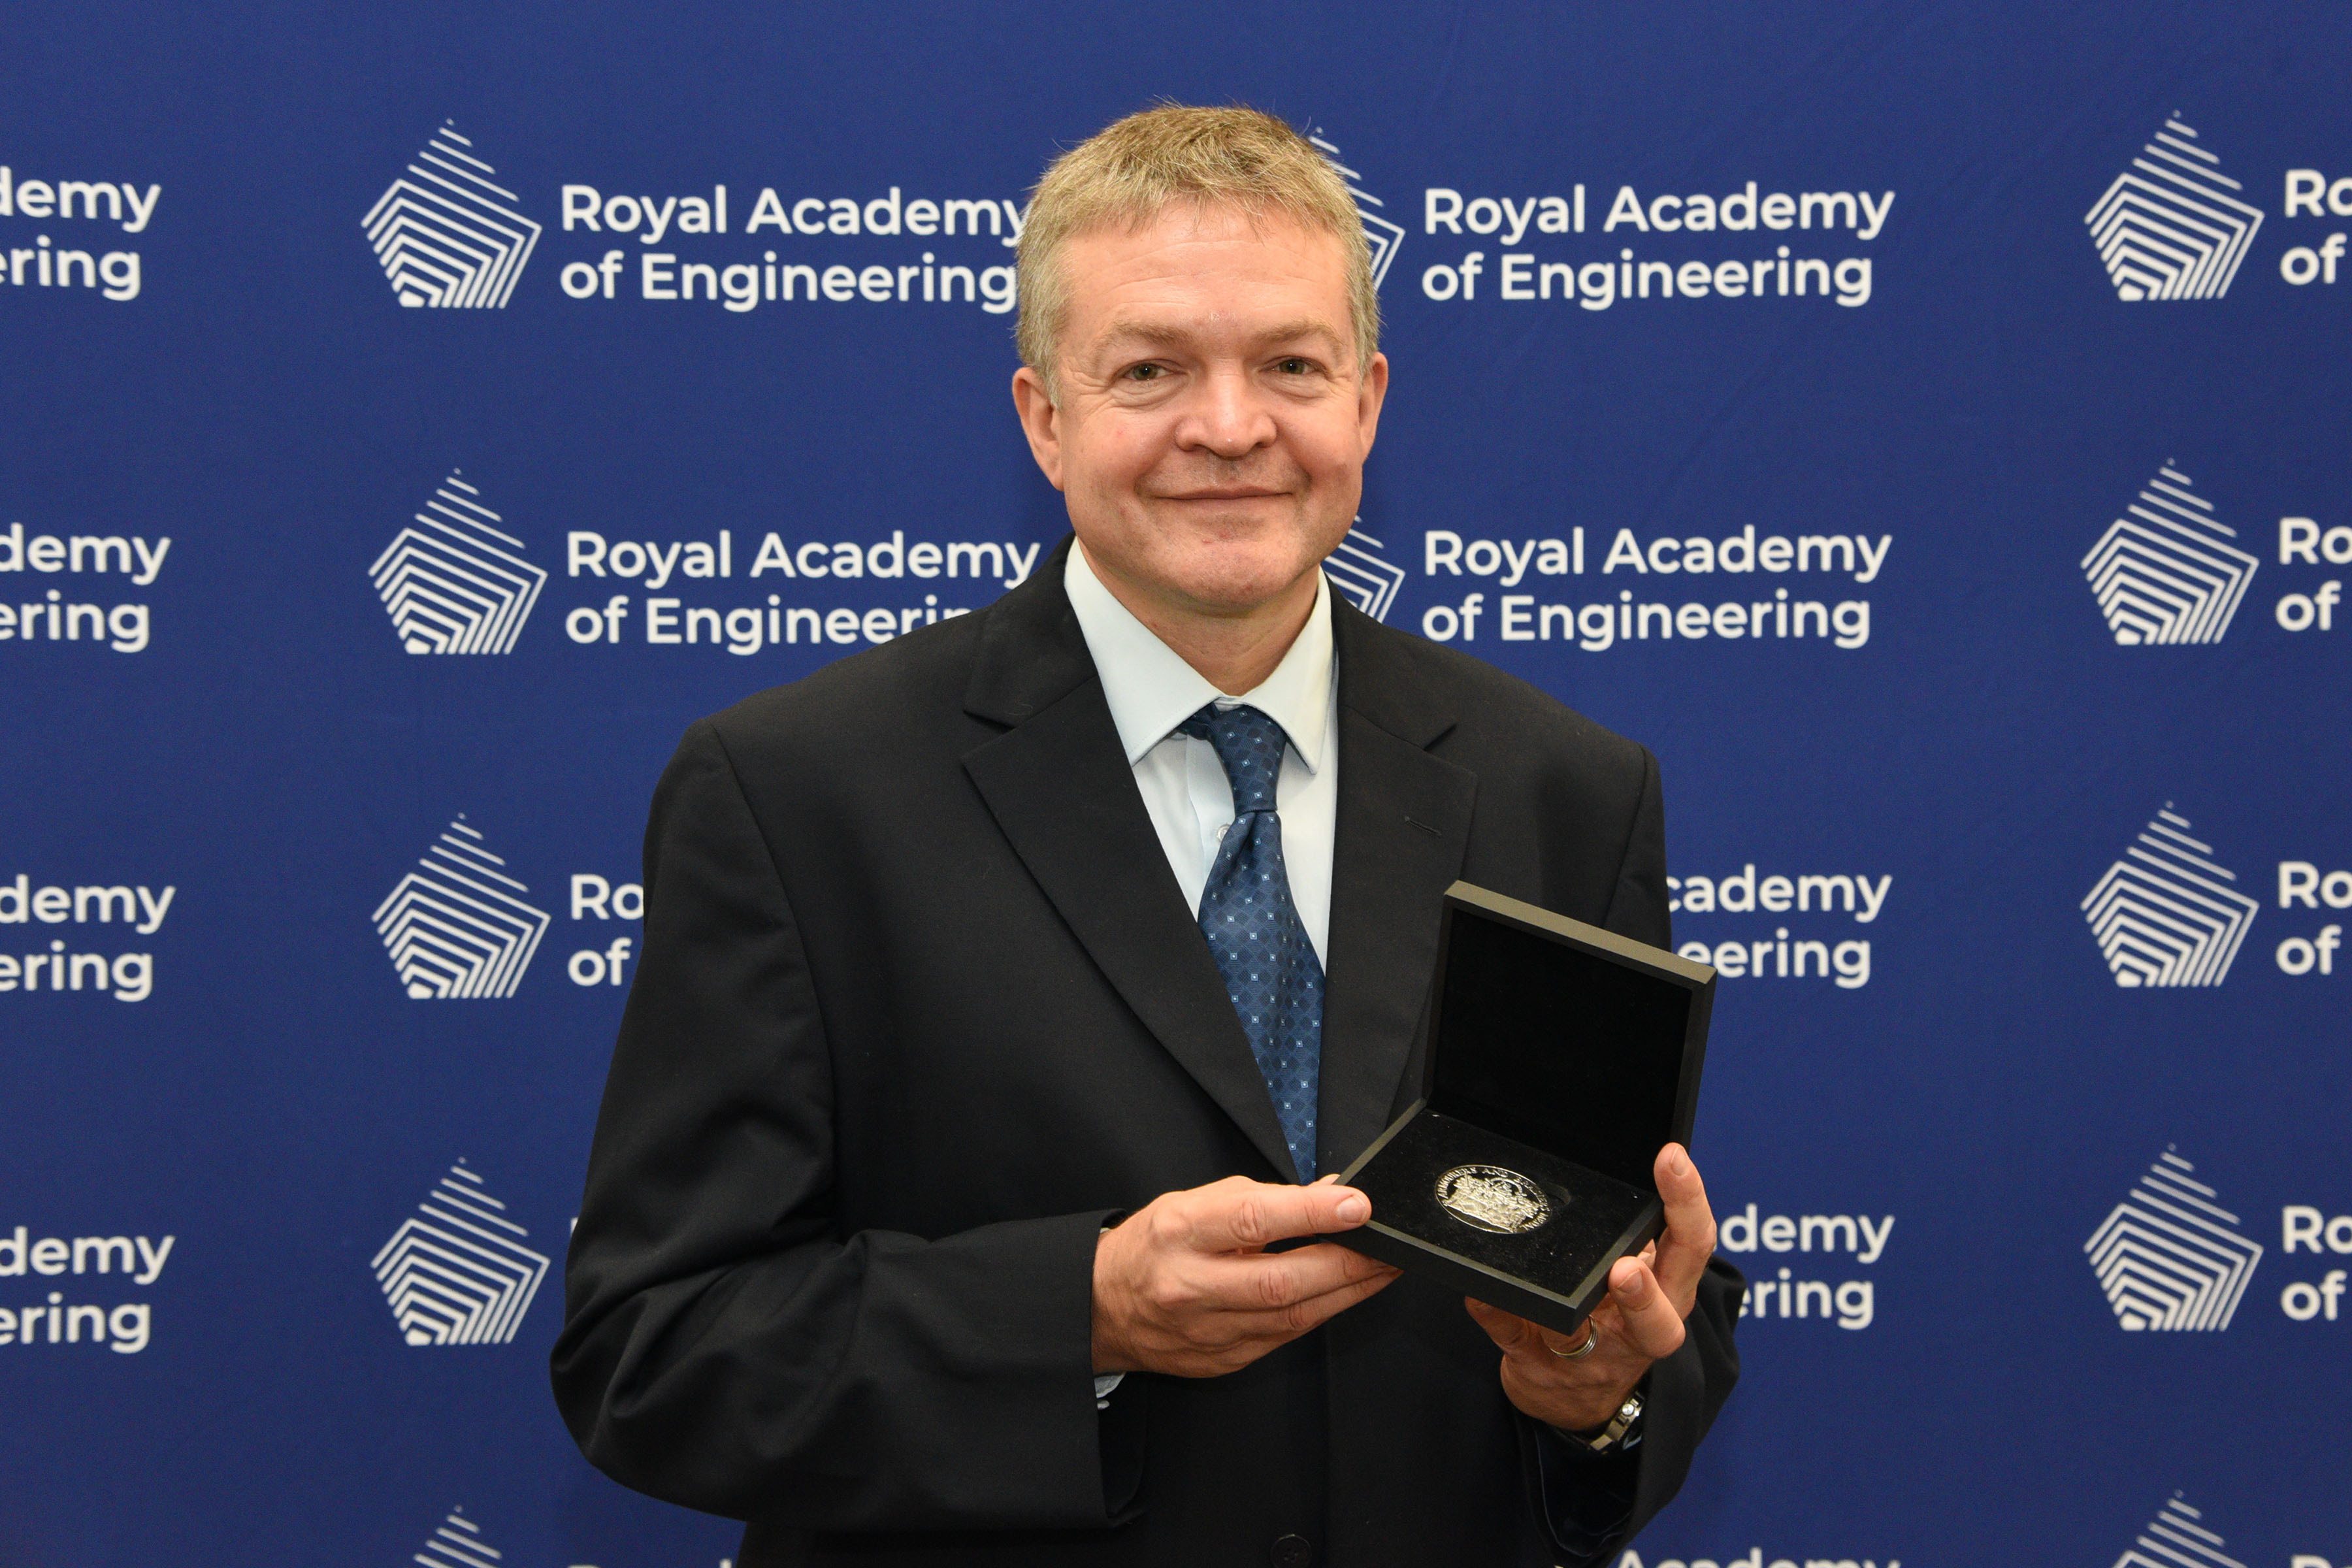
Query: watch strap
[[1623, 1430]]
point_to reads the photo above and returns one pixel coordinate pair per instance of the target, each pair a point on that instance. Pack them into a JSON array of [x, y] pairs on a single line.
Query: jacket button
[[1291, 1551]]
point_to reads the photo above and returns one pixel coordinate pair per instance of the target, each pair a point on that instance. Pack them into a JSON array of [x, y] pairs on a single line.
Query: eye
[[1294, 365], [1145, 372]]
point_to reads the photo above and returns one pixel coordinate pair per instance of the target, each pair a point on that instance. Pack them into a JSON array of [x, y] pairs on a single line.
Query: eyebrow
[[1158, 334]]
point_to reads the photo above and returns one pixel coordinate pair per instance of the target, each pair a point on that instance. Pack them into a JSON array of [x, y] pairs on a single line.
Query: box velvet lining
[[1589, 1211]]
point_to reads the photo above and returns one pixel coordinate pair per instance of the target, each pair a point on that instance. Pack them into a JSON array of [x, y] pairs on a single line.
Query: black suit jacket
[[920, 1007]]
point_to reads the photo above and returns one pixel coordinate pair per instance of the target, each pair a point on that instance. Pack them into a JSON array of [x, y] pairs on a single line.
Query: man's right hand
[[1184, 1285]]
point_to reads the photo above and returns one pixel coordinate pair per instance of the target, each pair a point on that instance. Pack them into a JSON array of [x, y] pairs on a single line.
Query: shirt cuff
[[1106, 1381]]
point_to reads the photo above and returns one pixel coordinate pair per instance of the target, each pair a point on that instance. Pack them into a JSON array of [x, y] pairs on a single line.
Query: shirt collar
[[1152, 690]]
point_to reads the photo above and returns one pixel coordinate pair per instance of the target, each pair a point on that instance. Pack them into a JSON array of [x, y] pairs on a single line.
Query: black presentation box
[[1561, 1058]]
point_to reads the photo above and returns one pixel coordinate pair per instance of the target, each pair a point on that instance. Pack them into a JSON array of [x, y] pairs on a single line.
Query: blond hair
[[1127, 173]]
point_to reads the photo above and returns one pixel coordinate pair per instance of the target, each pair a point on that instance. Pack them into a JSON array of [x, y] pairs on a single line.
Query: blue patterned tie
[[1254, 933]]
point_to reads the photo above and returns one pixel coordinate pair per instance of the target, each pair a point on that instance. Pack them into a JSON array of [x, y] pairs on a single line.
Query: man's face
[[1213, 422]]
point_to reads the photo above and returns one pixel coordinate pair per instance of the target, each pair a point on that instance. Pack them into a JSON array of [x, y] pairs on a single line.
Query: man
[[1007, 988]]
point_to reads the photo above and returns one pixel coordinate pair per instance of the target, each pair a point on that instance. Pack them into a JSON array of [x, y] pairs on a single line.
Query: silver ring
[[1591, 1339]]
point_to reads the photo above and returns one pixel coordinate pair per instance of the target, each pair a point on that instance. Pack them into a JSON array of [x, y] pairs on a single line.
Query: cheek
[[1326, 444], [1116, 454]]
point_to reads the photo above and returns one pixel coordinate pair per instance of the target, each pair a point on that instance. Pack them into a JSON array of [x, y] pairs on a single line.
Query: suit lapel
[[1058, 784], [1403, 829]]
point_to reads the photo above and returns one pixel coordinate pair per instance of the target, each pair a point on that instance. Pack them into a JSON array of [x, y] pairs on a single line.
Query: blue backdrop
[[1924, 425]]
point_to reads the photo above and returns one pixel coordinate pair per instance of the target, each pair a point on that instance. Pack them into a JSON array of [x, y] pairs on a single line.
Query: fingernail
[[1355, 1208], [1680, 1162]]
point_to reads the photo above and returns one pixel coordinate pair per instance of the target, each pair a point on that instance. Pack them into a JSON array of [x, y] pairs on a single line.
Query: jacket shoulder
[[1570, 815], [1491, 720], [908, 679]]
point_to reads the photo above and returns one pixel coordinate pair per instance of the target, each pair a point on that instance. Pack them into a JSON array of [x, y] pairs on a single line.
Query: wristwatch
[[1623, 1432]]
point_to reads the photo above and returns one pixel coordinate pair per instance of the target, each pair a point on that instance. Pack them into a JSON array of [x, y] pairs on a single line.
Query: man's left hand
[[1641, 1321]]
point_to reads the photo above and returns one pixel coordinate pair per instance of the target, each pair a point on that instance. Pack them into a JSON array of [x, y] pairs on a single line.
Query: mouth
[[1238, 492]]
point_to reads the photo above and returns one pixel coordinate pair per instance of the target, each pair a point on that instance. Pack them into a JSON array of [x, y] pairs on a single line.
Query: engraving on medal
[[1493, 1199]]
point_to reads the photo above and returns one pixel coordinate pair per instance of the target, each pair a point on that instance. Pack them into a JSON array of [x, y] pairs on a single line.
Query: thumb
[[1239, 1214]]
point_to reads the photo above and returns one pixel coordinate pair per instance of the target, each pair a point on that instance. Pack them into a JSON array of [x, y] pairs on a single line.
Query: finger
[[1237, 1213], [1689, 1240], [1258, 1281], [1647, 1317], [1288, 1322], [1508, 1329], [1517, 1336]]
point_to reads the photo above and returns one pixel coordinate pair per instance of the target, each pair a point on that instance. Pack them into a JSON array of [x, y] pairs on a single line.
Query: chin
[[1236, 571]]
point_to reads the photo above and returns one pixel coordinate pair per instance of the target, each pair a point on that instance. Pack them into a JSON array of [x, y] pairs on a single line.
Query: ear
[[1040, 421], [1370, 392]]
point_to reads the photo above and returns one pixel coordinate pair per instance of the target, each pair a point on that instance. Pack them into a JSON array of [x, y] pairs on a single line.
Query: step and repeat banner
[[1924, 427]]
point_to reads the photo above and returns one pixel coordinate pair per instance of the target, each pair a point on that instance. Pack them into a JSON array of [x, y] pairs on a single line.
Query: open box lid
[[1560, 1035]]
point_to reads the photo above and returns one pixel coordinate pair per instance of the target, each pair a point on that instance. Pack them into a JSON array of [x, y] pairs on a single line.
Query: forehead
[[1198, 271]]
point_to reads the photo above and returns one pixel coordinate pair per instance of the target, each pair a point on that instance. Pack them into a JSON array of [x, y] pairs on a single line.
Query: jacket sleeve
[[1578, 1497], [724, 1345], [1637, 908]]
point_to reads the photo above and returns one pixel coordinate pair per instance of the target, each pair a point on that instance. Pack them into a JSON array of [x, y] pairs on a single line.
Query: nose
[[1229, 419]]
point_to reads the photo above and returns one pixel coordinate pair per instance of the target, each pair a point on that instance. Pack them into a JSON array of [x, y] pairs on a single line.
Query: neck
[[1233, 650]]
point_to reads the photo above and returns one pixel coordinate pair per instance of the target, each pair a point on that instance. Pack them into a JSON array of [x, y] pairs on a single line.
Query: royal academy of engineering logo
[[2166, 913], [2165, 571], [456, 1271], [2177, 1537], [459, 1542], [1381, 233], [454, 581], [1361, 574], [457, 925], [2169, 1256], [2173, 227], [445, 235]]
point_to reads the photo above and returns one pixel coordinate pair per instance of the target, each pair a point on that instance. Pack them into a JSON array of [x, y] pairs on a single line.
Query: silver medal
[[1493, 1199]]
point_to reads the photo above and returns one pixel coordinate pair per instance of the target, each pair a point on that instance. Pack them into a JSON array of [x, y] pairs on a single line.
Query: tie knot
[[1250, 746]]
